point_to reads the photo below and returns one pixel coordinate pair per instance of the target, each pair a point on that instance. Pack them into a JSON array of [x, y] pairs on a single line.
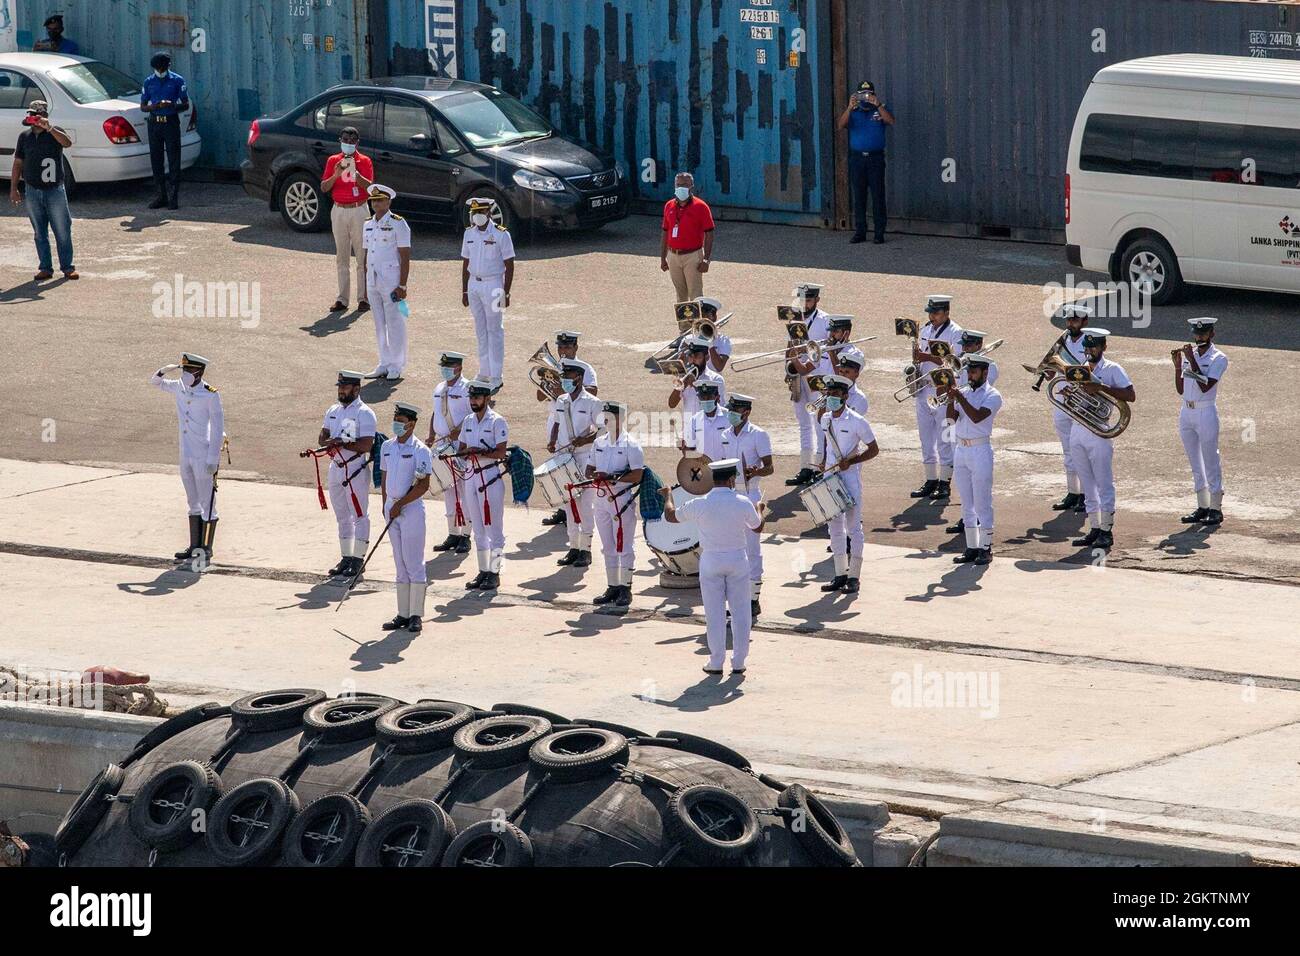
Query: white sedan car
[[98, 107]]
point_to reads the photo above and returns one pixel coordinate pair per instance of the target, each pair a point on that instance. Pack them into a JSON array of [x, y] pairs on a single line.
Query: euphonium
[[546, 372]]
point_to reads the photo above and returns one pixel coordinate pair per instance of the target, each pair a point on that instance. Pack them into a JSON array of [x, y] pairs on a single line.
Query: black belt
[[869, 152]]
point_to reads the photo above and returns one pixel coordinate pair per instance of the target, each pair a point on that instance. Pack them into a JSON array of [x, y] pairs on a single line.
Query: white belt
[[1200, 404], [973, 441]]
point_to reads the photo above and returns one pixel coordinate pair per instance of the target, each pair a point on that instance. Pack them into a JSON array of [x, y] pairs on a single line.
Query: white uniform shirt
[[450, 406], [950, 333], [963, 378], [484, 435], [826, 366], [349, 422], [381, 239], [691, 400], [722, 518], [703, 433], [848, 429], [986, 396], [201, 420], [403, 464], [721, 345], [487, 250], [1213, 364], [577, 415], [751, 445], [615, 456], [1072, 352], [819, 325], [857, 401], [588, 374], [1111, 373]]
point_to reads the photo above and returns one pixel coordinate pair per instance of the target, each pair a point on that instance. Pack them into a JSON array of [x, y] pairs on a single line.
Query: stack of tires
[[294, 778]]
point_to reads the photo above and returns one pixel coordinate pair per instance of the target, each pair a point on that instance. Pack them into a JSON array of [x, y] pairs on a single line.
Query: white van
[[1186, 169]]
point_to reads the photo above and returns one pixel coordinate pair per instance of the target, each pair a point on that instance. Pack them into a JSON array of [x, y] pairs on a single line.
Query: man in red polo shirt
[[347, 178], [687, 244]]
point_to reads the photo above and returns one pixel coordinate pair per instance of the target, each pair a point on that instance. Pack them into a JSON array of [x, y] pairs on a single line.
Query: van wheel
[[1151, 268], [303, 206]]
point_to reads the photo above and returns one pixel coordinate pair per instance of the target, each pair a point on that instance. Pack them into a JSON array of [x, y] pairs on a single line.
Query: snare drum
[[554, 476], [676, 545], [442, 477], [826, 498]]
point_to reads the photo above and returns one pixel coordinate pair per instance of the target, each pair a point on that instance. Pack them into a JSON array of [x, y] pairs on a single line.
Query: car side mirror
[[424, 143]]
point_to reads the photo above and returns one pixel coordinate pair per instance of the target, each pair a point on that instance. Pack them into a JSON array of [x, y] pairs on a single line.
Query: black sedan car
[[437, 142]]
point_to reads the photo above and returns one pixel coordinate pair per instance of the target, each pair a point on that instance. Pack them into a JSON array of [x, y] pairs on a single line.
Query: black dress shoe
[[1196, 517], [583, 560], [836, 583], [570, 557], [1071, 500], [1213, 516], [339, 568], [942, 489], [491, 581], [559, 517], [985, 556], [462, 544], [967, 556], [1088, 540], [611, 592], [158, 202], [855, 239], [396, 624], [448, 543], [927, 489], [805, 476], [415, 625], [851, 586], [1105, 540], [624, 596], [957, 528], [1081, 507], [477, 582]]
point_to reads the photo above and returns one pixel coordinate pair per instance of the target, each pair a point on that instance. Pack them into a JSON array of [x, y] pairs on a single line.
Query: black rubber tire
[[631, 733], [703, 747], [169, 728], [424, 727], [245, 825], [516, 735], [553, 717], [326, 832], [712, 824], [772, 782], [413, 833], [320, 204], [88, 809], [579, 754], [345, 720], [1172, 288], [189, 788], [816, 828], [274, 709], [490, 843]]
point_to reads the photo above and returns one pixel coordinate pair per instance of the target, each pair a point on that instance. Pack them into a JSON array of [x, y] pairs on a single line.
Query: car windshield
[[94, 82], [492, 118]]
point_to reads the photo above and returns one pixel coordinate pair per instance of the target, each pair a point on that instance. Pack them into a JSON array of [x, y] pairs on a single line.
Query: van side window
[[1276, 153], [1218, 152]]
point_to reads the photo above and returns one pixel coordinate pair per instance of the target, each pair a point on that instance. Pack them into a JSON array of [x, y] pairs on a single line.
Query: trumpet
[[1187, 370], [546, 372], [669, 358], [1102, 414]]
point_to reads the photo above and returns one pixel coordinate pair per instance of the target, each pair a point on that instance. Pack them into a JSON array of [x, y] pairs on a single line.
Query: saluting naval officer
[[972, 408], [1094, 456], [1197, 372], [201, 420], [386, 241], [488, 269], [483, 437], [349, 432], [617, 462], [931, 423], [751, 446], [807, 298], [406, 463], [723, 517], [450, 406], [566, 347], [574, 426], [843, 431]]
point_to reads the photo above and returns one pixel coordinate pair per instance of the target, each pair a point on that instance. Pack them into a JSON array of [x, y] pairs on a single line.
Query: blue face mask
[[399, 429], [448, 373], [735, 418], [707, 405], [834, 402], [569, 384]]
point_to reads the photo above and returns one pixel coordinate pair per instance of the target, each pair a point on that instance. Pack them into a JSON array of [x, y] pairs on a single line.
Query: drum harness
[[335, 453]]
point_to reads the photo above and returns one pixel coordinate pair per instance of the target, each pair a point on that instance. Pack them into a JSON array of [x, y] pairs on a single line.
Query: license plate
[[600, 202]]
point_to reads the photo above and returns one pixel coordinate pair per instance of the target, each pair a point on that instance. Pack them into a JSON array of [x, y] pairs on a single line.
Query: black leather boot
[[559, 517], [415, 625], [927, 489], [196, 538], [396, 624], [1196, 517], [1088, 540], [1105, 540], [957, 528], [209, 531], [448, 543], [611, 592], [967, 556], [624, 596], [462, 544], [985, 556], [344, 562], [1213, 516], [491, 581], [942, 489], [570, 557], [836, 583], [1071, 500], [583, 560], [477, 582], [851, 586]]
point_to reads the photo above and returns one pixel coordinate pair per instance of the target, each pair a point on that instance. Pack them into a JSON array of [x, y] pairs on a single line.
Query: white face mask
[[347, 148], [190, 378], [160, 73], [682, 193], [479, 219]]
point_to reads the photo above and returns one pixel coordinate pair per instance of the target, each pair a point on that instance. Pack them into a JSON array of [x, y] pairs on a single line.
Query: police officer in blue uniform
[[163, 99], [865, 118], [55, 41]]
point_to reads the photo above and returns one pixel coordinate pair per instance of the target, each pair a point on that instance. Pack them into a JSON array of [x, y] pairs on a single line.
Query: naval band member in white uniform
[[575, 424], [843, 431], [349, 429], [487, 252], [931, 423], [201, 426], [483, 437], [618, 463], [684, 391], [406, 463], [1094, 456], [972, 408], [566, 347], [1076, 318], [719, 342], [386, 240], [807, 298], [971, 342], [450, 406], [723, 517], [1198, 419], [751, 446]]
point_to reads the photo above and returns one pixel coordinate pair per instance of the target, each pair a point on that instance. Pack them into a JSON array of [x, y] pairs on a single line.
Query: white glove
[[167, 368], [212, 467]]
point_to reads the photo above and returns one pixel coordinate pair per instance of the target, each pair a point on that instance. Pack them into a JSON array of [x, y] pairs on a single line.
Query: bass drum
[[676, 545]]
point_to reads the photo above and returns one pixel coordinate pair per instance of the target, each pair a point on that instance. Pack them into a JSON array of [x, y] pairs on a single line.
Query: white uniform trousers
[[198, 487], [973, 475], [407, 537], [486, 296], [1093, 460], [754, 546], [848, 524], [390, 324], [618, 560], [936, 444], [489, 537], [580, 532], [449, 507], [348, 224], [724, 585], [1199, 430], [1064, 425], [351, 527], [807, 422]]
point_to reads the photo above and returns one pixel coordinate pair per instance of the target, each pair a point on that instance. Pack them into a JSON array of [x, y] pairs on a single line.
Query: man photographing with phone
[[865, 118], [37, 180], [163, 99]]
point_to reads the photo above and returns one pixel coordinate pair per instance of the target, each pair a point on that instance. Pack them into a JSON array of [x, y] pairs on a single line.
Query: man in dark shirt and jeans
[[37, 180], [866, 118]]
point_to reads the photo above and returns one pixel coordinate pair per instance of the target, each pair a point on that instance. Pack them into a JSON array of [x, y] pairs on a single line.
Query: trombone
[[546, 372], [809, 352]]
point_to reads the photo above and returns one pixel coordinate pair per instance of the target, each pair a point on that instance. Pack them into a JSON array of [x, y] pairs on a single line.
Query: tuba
[[546, 372], [1101, 414]]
